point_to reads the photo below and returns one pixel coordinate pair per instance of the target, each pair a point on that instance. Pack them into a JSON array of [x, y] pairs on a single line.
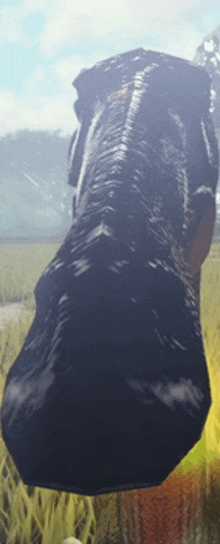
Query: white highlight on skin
[[98, 231], [207, 143], [136, 97], [75, 144], [209, 46], [87, 150], [81, 265], [171, 393], [64, 298], [18, 393]]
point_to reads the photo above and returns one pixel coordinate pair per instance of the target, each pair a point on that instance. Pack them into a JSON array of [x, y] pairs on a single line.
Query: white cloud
[[47, 98], [181, 40], [13, 17], [105, 29], [7, 100], [67, 69], [11, 26], [18, 113], [31, 6], [209, 22], [142, 12], [69, 26], [54, 81], [65, 30]]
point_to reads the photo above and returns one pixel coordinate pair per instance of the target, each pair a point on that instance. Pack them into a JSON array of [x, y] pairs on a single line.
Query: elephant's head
[[150, 112]]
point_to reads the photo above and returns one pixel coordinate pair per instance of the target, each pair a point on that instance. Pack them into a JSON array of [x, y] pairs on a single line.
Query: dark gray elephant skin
[[110, 390]]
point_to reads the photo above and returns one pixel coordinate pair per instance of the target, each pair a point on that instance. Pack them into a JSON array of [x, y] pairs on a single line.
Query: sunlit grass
[[21, 266]]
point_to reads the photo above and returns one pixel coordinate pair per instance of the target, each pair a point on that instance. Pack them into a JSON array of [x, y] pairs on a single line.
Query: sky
[[44, 44]]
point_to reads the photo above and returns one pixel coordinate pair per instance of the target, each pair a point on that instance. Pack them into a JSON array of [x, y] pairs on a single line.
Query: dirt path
[[11, 312]]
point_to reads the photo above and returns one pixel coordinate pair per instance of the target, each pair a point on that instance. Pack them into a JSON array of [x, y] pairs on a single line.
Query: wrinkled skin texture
[[110, 390]]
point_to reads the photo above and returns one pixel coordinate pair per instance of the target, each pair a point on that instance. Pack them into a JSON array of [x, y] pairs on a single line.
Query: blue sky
[[45, 43]]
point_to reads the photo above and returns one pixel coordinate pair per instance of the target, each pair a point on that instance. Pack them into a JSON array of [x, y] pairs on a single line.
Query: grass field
[[36, 516]]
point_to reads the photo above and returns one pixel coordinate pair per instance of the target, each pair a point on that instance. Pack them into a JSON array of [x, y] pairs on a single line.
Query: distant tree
[[34, 174]]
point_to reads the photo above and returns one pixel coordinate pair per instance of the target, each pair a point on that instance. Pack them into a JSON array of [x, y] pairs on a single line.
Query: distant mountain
[[208, 56], [35, 199]]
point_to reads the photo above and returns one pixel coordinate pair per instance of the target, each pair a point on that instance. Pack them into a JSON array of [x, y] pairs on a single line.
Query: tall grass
[[38, 516], [21, 266]]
